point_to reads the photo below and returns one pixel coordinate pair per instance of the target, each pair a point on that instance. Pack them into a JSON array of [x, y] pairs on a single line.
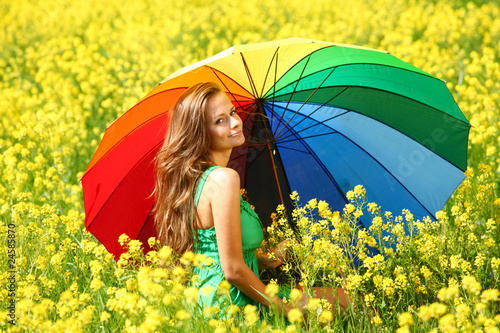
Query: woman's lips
[[235, 134]]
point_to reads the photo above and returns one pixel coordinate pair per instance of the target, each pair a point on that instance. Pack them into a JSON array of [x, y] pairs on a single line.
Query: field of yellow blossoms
[[69, 68]]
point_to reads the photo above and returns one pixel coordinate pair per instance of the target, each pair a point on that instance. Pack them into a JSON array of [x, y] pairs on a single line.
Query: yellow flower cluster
[[454, 314], [422, 264]]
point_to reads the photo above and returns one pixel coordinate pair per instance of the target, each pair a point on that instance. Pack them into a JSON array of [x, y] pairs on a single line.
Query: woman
[[198, 203]]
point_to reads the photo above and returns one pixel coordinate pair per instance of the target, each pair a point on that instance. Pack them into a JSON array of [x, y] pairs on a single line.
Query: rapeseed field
[[69, 68]]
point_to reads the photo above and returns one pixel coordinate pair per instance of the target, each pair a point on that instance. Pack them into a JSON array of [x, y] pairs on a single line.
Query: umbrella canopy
[[319, 118]]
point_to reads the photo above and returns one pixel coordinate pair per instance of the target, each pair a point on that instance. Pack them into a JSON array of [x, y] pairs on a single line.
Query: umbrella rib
[[255, 159], [275, 76], [275, 55], [294, 90], [218, 77], [144, 224], [295, 149], [325, 169], [274, 85], [309, 127], [250, 79], [254, 149], [317, 109], [310, 136], [277, 136], [248, 115]]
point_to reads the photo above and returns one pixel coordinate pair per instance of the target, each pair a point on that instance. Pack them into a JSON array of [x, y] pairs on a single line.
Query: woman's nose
[[235, 121]]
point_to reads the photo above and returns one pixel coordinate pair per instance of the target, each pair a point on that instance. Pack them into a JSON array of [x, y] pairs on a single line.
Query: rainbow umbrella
[[319, 118]]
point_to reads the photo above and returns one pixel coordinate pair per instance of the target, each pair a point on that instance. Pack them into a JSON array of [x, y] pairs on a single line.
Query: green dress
[[212, 275]]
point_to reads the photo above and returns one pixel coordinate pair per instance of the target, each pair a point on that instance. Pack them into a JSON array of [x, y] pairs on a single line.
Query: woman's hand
[[281, 250], [276, 257], [267, 260]]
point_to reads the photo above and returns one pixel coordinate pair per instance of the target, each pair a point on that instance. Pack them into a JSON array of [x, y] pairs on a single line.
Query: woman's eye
[[233, 112], [218, 121]]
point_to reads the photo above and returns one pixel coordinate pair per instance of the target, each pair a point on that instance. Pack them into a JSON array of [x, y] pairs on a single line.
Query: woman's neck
[[220, 158]]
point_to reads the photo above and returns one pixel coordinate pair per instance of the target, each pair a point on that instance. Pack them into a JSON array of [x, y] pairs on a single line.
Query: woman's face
[[224, 125]]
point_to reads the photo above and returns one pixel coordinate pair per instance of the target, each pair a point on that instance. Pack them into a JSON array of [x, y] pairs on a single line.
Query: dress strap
[[201, 182]]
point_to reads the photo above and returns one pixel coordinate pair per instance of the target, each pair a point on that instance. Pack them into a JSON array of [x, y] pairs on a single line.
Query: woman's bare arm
[[225, 201]]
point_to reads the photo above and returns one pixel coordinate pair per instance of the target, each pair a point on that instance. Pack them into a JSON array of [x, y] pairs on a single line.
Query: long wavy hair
[[180, 162]]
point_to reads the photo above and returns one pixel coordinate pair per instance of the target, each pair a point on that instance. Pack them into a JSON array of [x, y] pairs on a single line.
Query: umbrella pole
[[271, 149]]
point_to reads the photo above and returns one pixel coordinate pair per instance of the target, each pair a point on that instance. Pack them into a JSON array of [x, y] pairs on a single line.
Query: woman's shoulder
[[224, 174], [223, 178]]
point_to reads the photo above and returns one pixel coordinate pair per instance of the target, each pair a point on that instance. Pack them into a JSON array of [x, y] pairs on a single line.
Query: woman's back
[[212, 275]]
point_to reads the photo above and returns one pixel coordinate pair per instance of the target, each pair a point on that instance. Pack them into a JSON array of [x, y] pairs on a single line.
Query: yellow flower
[[403, 329], [480, 307], [435, 310], [191, 294], [131, 284], [182, 315], [295, 315], [134, 246], [349, 208], [95, 267], [469, 173], [369, 299], [178, 272], [225, 285], [481, 319], [376, 320], [313, 304], [447, 294], [123, 239], [168, 299], [165, 253], [30, 291], [353, 282], [152, 242], [95, 284], [350, 195], [405, 318], [233, 309], [272, 289], [210, 311], [490, 295], [312, 204], [388, 286], [470, 284], [251, 314], [447, 323], [104, 316], [187, 258], [213, 323], [373, 207], [359, 191], [495, 263], [323, 208], [462, 310], [484, 168], [206, 290], [326, 316]]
